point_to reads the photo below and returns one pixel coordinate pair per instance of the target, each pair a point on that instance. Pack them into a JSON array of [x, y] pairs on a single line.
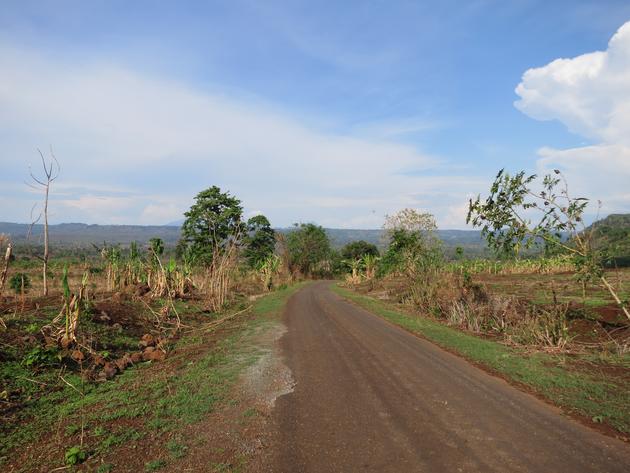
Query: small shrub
[[553, 328], [176, 449], [99, 431], [105, 354], [75, 455], [463, 315], [49, 275], [544, 327], [39, 356], [72, 429], [154, 465], [32, 328], [19, 282]]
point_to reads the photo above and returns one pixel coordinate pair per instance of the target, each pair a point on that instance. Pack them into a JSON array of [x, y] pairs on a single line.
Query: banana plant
[[355, 266], [267, 269], [370, 262]]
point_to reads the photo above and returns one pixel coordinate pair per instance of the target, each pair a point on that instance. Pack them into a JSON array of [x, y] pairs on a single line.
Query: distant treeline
[[75, 239], [73, 236]]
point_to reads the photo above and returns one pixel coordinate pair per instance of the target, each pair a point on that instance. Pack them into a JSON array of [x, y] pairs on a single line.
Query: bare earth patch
[[237, 436], [268, 378]]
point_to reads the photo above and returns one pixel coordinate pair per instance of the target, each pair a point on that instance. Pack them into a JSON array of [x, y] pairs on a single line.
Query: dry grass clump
[[459, 302]]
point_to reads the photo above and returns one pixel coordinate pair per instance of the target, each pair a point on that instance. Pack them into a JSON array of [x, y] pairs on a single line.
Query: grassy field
[[542, 288], [594, 387]]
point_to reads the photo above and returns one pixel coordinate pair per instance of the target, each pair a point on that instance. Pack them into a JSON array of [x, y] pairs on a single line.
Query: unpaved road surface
[[372, 397]]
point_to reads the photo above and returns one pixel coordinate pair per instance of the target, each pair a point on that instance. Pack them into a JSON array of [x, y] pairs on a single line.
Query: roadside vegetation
[[589, 385], [549, 311], [129, 346]]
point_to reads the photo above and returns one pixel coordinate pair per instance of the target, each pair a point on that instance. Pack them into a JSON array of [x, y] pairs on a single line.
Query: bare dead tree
[[51, 172]]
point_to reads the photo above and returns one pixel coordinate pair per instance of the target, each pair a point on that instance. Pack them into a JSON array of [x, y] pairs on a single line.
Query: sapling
[[515, 217], [51, 172]]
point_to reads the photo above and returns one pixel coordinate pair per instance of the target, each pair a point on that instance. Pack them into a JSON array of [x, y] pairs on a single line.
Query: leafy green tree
[[260, 241], [356, 250], [156, 245], [405, 248], [337, 263], [308, 247], [213, 221], [413, 244]]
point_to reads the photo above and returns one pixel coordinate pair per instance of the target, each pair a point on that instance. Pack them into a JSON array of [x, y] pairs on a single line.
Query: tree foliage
[[20, 282], [156, 246], [355, 250], [516, 216], [308, 246], [212, 222], [413, 243], [260, 241]]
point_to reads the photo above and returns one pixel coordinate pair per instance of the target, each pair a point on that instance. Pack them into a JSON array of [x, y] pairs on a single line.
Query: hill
[[81, 235], [613, 234]]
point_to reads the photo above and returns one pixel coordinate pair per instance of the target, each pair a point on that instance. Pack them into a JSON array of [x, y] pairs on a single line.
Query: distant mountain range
[[612, 232], [82, 235], [452, 238]]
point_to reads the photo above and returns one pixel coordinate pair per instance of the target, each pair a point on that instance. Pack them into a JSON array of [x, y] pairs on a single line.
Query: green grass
[[228, 467], [176, 449], [275, 301], [553, 376], [154, 465], [119, 438]]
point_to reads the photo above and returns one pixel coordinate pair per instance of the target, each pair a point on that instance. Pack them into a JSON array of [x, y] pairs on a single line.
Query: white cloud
[[136, 149], [601, 171], [97, 207], [590, 94], [165, 212], [253, 213]]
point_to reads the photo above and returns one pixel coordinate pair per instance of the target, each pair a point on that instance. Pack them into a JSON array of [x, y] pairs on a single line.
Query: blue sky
[[333, 112]]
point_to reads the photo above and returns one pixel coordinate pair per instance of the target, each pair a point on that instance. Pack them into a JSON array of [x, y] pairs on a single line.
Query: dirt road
[[371, 397]]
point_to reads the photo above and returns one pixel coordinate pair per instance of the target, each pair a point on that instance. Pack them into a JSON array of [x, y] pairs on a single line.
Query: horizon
[[174, 225], [333, 114]]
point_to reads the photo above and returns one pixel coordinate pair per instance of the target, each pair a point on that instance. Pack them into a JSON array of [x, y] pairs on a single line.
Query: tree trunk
[[615, 296], [5, 270], [46, 241]]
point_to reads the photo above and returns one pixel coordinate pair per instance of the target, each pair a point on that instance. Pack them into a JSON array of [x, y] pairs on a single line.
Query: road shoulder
[[585, 395]]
